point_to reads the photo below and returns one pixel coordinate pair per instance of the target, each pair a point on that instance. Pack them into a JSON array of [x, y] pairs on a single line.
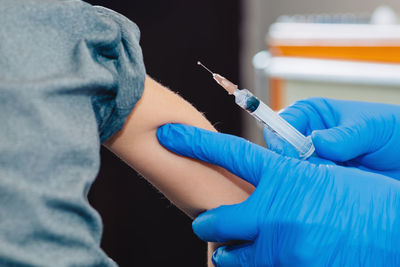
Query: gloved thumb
[[341, 143], [235, 256], [226, 223]]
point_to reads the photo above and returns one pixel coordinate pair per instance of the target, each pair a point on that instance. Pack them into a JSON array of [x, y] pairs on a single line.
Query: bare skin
[[191, 185]]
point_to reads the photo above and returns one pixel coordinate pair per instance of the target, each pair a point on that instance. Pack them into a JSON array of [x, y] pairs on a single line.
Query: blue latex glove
[[300, 214], [359, 134]]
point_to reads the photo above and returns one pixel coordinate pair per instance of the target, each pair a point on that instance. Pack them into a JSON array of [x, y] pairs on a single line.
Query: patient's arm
[[191, 185]]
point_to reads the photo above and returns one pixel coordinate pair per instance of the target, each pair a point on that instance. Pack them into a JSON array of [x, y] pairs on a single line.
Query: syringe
[[266, 116]]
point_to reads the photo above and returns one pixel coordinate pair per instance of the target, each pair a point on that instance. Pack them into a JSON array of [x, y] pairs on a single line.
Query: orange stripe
[[364, 53], [276, 93]]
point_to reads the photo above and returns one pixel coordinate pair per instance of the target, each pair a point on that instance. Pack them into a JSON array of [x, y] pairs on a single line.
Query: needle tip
[[200, 64]]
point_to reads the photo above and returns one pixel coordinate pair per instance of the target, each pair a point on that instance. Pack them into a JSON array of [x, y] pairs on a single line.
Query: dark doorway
[[141, 228]]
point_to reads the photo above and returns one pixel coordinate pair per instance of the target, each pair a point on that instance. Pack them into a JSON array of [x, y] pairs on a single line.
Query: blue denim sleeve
[[119, 52]]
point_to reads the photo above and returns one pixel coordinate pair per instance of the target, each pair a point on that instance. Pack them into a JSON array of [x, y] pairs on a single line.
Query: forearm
[[191, 185]]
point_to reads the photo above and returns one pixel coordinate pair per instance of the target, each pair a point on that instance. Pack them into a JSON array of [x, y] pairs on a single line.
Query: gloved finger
[[234, 256], [235, 154], [225, 223], [341, 143], [296, 115], [304, 115], [310, 114], [278, 145]]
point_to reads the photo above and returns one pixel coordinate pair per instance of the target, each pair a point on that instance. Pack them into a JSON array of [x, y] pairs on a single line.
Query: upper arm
[[191, 185]]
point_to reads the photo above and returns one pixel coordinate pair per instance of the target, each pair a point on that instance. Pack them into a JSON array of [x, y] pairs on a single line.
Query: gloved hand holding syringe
[[266, 116]]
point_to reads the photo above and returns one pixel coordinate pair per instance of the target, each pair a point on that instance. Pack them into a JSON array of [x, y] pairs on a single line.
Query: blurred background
[[281, 50]]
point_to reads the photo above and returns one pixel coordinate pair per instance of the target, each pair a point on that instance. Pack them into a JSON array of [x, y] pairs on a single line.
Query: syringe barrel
[[276, 123]]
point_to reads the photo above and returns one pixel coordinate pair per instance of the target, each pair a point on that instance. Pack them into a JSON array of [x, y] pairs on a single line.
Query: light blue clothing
[[70, 73]]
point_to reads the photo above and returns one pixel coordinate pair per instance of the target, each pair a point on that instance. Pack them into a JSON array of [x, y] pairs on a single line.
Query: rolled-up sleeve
[[119, 52]]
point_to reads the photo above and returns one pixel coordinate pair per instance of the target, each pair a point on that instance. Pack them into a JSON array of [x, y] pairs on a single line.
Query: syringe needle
[[199, 63], [225, 83]]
